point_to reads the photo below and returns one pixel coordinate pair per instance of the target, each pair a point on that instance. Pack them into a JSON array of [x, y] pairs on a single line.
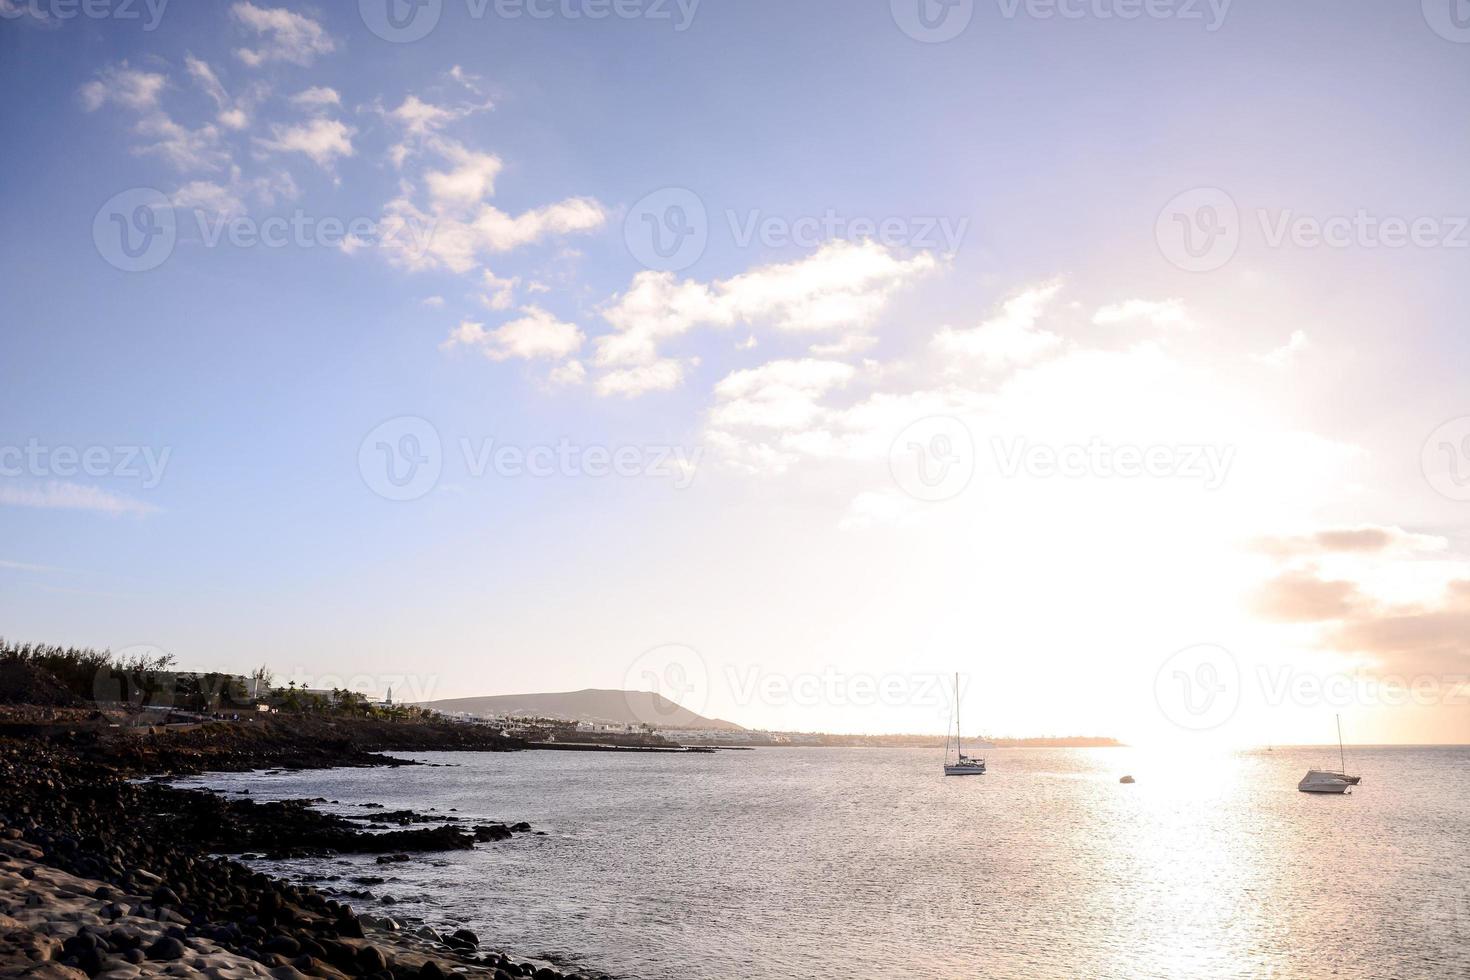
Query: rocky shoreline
[[105, 874]]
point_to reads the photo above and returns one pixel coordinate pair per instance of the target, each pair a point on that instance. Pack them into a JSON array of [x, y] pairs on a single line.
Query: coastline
[[108, 871]]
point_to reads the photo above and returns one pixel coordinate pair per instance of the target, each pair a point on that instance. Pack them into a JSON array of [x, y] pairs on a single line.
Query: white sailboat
[[963, 765], [1329, 780]]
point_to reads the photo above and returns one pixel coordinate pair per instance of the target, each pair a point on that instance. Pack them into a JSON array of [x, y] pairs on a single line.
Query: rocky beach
[[108, 871]]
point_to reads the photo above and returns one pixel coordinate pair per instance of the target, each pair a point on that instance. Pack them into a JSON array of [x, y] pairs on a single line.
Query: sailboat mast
[[1341, 756], [959, 745]]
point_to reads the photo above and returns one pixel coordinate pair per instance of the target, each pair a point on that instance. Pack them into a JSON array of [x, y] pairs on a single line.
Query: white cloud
[[316, 98], [535, 334], [470, 180], [1010, 338], [283, 35], [123, 86], [232, 114], [437, 302], [778, 394], [204, 195], [568, 373], [842, 286], [459, 240], [851, 344], [499, 293], [1284, 355], [1159, 313], [660, 375], [183, 148], [322, 140], [229, 198], [64, 495]]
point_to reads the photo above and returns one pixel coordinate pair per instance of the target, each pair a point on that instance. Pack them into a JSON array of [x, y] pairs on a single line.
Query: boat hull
[[964, 770], [1318, 781]]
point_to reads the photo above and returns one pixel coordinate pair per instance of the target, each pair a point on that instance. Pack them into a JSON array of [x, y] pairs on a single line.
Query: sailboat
[[1328, 780], [963, 765]]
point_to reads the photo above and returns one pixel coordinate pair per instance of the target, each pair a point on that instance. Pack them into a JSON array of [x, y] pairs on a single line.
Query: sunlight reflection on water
[[866, 862]]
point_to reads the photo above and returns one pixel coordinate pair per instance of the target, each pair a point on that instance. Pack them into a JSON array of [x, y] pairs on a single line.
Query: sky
[[787, 358]]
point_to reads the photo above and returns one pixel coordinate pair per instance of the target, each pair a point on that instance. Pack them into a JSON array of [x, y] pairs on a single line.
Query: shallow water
[[799, 863]]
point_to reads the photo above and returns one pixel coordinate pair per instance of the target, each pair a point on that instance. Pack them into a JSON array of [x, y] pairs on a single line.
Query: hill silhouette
[[603, 707]]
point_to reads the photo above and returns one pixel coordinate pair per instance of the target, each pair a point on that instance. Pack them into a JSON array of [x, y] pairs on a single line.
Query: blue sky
[[787, 375]]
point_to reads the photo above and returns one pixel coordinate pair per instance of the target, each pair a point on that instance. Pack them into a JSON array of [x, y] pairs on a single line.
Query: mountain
[[598, 707]]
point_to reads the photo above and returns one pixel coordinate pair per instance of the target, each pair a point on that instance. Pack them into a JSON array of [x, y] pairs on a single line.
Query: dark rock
[[167, 948], [370, 959]]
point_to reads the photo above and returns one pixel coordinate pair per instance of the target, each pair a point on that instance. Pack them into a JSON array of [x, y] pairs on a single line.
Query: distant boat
[[1329, 780], [963, 765]]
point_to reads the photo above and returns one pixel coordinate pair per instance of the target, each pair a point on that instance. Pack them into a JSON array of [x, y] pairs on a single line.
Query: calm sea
[[867, 863]]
